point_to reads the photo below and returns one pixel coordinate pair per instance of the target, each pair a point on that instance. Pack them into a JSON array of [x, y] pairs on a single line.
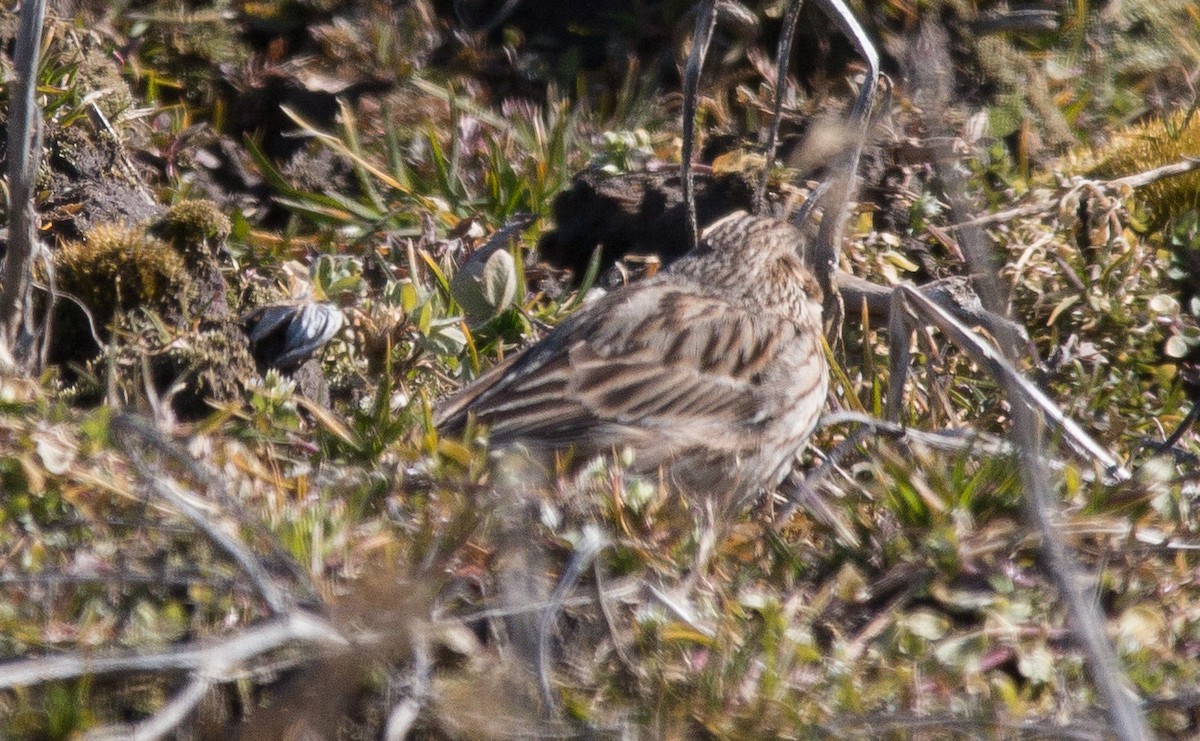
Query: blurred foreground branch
[[1115, 693], [24, 143], [207, 663]]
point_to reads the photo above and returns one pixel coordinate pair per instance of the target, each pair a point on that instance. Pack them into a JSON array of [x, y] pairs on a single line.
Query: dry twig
[[1118, 699], [215, 659], [995, 363], [1048, 203], [24, 147], [126, 428]]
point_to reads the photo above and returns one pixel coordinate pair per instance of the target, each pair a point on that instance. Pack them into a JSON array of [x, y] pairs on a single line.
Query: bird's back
[[712, 369]]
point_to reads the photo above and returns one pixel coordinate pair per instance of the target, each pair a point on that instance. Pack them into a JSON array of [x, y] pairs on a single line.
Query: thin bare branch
[[706, 20], [837, 198], [167, 489], [54, 294], [1138, 180], [401, 719], [1116, 696], [405, 713], [623, 590], [24, 125], [214, 659], [610, 620], [782, 57], [1119, 698], [585, 552], [681, 611], [1050, 203], [995, 363], [134, 427], [1192, 416], [954, 294], [948, 441], [123, 159]]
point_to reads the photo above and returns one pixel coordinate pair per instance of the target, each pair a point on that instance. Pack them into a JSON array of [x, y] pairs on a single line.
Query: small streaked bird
[[712, 370]]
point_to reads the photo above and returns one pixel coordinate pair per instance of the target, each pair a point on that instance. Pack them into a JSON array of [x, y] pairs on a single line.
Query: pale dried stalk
[[24, 144]]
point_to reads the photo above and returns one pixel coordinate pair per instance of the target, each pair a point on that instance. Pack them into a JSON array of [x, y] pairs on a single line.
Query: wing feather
[[623, 366]]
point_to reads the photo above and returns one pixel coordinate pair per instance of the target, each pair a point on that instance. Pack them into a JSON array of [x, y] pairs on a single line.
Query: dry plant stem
[[626, 590], [827, 248], [965, 441], [995, 362], [214, 488], [1182, 429], [46, 330], [586, 552], [276, 600], [1137, 180], [1118, 698], [680, 611], [167, 719], [952, 294], [850, 26], [610, 621], [209, 665], [782, 58], [401, 719], [215, 660], [405, 713], [805, 492], [706, 20], [24, 137], [123, 159]]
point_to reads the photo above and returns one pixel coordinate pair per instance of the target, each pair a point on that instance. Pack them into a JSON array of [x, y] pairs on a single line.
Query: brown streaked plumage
[[712, 369]]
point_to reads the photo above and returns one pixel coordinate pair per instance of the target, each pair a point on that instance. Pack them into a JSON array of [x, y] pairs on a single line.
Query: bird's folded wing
[[658, 358]]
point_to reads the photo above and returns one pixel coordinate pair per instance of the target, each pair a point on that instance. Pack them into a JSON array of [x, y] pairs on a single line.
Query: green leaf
[[445, 336], [484, 289]]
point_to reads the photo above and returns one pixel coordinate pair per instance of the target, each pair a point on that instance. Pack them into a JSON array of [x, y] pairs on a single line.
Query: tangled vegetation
[[310, 558]]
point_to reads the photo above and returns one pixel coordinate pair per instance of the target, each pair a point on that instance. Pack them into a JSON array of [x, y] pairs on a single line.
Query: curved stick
[[782, 57], [706, 20], [907, 297], [827, 247]]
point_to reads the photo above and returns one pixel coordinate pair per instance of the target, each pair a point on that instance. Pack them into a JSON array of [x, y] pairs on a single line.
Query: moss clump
[[1152, 144], [192, 223], [154, 295], [117, 268]]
